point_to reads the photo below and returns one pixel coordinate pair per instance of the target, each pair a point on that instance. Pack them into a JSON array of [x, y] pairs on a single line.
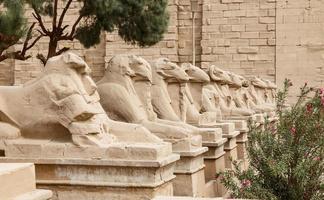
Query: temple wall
[[300, 42], [269, 38]]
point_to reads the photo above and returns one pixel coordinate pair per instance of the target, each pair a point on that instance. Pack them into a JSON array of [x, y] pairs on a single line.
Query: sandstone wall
[[300, 42], [240, 35]]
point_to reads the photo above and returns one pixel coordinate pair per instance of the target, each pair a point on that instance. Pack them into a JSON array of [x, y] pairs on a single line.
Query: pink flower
[[321, 90], [317, 158], [246, 183], [309, 108], [322, 101], [293, 131]]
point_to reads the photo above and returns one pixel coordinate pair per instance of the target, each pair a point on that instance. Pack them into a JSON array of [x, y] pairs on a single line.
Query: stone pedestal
[[120, 171], [18, 183], [214, 158], [230, 149], [190, 175], [215, 162], [241, 141]]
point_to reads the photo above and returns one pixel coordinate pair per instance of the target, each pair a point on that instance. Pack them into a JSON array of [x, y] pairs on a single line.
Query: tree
[[286, 159], [140, 22], [13, 28]]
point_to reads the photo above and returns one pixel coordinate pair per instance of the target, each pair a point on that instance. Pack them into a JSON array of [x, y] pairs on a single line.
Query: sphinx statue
[[270, 92], [258, 90], [62, 104], [187, 101], [122, 101], [239, 88], [217, 95]]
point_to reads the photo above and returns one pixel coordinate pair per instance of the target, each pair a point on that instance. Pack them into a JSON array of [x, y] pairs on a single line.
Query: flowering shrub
[[286, 157]]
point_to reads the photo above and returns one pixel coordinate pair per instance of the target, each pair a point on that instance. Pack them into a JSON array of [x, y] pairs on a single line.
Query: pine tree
[[13, 28], [140, 22], [286, 158]]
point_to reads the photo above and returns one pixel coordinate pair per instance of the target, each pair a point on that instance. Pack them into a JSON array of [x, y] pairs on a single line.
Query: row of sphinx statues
[[136, 100]]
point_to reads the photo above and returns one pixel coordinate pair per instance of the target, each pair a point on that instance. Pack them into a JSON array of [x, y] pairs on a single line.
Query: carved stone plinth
[[120, 171], [230, 149], [190, 175], [18, 183], [241, 140], [215, 162]]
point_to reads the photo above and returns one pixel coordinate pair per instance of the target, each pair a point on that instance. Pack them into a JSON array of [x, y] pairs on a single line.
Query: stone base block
[[231, 154], [214, 160], [240, 125], [189, 171], [242, 154], [242, 137], [226, 127], [97, 173], [18, 183], [213, 167], [66, 192], [190, 184]]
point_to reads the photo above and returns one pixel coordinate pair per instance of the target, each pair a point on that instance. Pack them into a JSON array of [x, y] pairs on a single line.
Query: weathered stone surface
[[18, 183]]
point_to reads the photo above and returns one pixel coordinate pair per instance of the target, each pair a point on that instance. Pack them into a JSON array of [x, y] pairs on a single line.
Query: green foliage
[[140, 22], [12, 23], [286, 158]]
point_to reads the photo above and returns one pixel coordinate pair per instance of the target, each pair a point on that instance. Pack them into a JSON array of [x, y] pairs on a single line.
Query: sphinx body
[[121, 101], [62, 104], [217, 95], [239, 88]]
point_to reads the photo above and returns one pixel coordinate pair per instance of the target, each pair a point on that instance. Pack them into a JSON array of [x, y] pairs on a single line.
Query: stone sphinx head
[[141, 68], [236, 80], [195, 73], [66, 94], [166, 69], [270, 84], [258, 82], [119, 64], [218, 75]]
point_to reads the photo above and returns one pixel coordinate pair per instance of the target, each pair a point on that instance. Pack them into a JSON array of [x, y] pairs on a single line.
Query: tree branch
[[64, 12], [40, 22], [64, 49], [42, 58], [71, 35], [54, 15]]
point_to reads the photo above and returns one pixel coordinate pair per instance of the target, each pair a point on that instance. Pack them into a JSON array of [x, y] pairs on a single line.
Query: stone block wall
[[300, 42], [239, 35]]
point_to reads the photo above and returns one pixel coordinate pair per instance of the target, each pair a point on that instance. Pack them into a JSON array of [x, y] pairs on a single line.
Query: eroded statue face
[[72, 90], [141, 67], [168, 70], [195, 73], [218, 75], [120, 64]]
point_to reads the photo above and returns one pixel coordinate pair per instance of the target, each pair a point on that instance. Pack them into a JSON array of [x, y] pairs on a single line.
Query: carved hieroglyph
[[63, 104]]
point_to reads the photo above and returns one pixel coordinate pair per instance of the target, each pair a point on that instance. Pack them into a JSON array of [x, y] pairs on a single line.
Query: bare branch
[[63, 13], [40, 23], [42, 58], [64, 49], [54, 15], [34, 42], [71, 35], [64, 27]]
